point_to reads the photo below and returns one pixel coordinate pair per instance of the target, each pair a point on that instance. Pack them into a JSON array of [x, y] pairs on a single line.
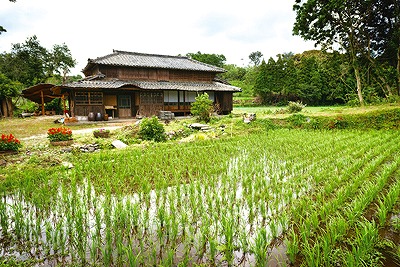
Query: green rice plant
[[292, 246], [228, 231], [312, 254], [382, 212], [260, 248], [131, 256], [4, 223], [366, 238]]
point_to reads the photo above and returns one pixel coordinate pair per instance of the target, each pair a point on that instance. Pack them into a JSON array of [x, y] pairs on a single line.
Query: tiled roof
[[153, 85], [133, 59]]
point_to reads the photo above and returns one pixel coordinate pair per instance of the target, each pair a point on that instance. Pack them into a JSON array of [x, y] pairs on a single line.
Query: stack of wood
[[166, 115]]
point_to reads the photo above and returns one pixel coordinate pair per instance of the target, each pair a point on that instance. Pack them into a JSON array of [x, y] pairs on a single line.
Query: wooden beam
[[41, 94]]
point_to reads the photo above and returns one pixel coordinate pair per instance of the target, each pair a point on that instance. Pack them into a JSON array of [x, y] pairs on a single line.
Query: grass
[[271, 111]]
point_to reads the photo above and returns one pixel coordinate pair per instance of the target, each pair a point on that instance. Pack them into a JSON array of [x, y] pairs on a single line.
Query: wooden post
[[64, 107], [41, 94]]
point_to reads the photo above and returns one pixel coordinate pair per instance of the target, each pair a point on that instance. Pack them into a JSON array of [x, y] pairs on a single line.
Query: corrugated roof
[[153, 85], [133, 59]]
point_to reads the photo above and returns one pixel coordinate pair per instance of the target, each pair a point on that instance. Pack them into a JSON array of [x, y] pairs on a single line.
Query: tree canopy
[[212, 59], [364, 30], [30, 63]]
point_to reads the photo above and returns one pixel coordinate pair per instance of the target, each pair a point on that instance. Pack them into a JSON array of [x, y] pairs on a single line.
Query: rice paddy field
[[283, 197]]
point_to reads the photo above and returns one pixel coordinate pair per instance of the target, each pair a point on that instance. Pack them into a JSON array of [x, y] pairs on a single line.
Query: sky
[[93, 28]]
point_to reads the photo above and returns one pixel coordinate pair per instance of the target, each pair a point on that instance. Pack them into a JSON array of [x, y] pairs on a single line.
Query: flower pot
[[91, 116], [99, 117], [101, 134], [8, 152], [62, 143]]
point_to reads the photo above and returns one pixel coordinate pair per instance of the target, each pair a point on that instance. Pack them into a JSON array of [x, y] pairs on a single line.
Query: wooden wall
[[125, 73]]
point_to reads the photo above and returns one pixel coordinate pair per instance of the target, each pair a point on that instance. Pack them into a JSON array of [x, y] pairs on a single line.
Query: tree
[[31, 63], [255, 57], [8, 88], [360, 28], [1, 27], [202, 107], [61, 61], [212, 59]]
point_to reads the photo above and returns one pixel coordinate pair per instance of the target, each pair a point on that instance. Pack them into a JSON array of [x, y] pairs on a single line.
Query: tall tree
[[61, 61], [255, 57], [212, 59], [31, 63], [364, 29]]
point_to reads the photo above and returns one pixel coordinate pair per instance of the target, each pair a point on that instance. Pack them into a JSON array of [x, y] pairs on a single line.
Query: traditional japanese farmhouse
[[127, 84]]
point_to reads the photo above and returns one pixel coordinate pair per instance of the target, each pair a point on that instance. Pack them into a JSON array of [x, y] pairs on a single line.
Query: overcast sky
[[94, 28]]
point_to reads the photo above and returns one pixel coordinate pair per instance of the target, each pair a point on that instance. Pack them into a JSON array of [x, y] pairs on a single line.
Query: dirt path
[[75, 132]]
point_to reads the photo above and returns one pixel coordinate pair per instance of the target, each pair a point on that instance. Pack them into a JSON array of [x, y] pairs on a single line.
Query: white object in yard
[[118, 144]]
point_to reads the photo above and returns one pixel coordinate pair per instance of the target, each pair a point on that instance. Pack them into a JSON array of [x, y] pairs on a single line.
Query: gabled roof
[[40, 92], [133, 59]]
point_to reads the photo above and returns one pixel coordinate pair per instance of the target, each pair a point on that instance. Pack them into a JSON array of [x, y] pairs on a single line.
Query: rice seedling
[[176, 205]]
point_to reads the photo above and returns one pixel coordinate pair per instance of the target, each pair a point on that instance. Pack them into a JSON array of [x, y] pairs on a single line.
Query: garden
[[298, 190]]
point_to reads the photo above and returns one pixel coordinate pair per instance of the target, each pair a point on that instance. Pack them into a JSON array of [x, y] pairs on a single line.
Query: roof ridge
[[206, 64], [146, 54]]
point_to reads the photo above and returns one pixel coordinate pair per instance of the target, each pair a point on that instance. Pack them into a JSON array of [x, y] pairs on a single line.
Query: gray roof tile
[[149, 85], [133, 59]]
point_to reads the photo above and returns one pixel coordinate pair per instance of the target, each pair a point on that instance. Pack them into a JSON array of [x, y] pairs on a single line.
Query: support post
[[41, 94]]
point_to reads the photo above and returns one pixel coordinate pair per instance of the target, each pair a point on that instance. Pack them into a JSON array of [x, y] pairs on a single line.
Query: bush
[[202, 107], [152, 129], [297, 120], [294, 107]]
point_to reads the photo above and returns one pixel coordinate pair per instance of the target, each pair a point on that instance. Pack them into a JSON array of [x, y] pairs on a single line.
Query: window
[[170, 98], [89, 98], [147, 98], [124, 101]]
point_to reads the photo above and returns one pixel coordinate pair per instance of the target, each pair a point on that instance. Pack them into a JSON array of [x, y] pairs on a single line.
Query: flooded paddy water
[[268, 201]]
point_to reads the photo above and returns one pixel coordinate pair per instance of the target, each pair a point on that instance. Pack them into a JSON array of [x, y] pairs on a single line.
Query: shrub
[[294, 107], [152, 129], [297, 120], [9, 143], [202, 107]]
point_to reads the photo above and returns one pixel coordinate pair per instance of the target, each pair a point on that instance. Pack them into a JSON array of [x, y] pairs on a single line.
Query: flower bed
[[62, 135], [101, 133], [9, 143]]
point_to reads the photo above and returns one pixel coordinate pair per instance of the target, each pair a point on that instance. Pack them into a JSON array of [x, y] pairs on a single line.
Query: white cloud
[[94, 28]]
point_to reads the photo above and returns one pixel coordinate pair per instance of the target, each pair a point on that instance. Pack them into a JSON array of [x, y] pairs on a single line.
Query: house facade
[[127, 84]]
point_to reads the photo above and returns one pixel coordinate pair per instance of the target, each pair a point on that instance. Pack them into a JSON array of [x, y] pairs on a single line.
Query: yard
[[240, 195]]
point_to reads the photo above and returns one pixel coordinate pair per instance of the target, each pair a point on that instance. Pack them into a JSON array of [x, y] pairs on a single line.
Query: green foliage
[[212, 59], [255, 57], [30, 63], [26, 106], [294, 107], [151, 129], [202, 107], [297, 120], [384, 119], [370, 51], [8, 88]]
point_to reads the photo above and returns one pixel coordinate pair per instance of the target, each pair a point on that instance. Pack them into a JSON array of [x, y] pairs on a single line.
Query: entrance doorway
[[124, 106]]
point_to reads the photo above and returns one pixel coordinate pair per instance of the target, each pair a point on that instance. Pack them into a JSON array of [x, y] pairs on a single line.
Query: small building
[[127, 84]]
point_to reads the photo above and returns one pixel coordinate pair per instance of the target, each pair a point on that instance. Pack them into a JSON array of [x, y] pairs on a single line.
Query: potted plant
[[61, 136], [101, 133], [9, 144]]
